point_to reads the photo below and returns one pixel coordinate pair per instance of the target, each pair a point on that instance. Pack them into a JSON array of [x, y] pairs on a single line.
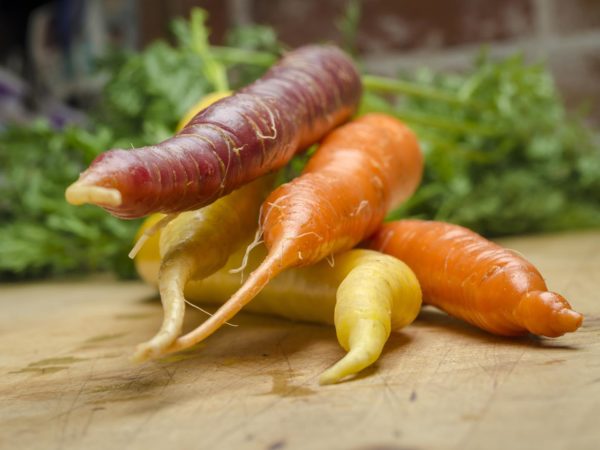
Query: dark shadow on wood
[[433, 316]]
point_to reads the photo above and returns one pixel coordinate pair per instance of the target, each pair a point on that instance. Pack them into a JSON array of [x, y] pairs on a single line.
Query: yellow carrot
[[375, 294], [198, 243]]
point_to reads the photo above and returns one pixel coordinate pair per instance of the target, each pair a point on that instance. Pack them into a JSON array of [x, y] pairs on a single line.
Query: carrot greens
[[503, 155], [143, 99]]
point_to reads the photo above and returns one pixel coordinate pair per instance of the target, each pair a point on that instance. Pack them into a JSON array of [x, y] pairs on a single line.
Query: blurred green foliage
[[40, 234], [144, 98], [502, 154]]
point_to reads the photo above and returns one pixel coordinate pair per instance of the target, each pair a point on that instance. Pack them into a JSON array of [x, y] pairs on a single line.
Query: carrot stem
[[232, 55], [391, 85], [214, 70], [432, 121]]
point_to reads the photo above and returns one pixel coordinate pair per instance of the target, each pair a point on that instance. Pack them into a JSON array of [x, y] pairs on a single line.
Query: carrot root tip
[[570, 320], [366, 342], [349, 365], [79, 194], [144, 352], [547, 314]]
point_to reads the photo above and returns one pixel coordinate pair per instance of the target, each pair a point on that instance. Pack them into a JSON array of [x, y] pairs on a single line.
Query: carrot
[[476, 280], [147, 259], [376, 294], [198, 243], [234, 141], [361, 170]]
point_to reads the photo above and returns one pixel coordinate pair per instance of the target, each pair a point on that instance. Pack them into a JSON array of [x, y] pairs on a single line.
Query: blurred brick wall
[[403, 34]]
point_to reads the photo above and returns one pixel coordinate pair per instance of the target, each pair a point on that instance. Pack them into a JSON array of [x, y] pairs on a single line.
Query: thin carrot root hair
[[208, 313], [251, 246], [149, 232], [330, 260]]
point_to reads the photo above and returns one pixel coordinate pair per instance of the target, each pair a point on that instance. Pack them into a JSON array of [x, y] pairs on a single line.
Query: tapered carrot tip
[[547, 314], [366, 342], [143, 353], [79, 193]]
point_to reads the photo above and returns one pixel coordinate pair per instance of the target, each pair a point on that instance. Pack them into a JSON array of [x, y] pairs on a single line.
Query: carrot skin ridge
[[232, 142], [373, 159], [476, 280]]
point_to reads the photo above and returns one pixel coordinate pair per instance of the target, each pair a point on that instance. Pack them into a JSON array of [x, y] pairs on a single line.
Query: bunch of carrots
[[216, 213]]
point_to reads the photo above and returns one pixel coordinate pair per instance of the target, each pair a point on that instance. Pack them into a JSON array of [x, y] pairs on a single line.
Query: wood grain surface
[[66, 381]]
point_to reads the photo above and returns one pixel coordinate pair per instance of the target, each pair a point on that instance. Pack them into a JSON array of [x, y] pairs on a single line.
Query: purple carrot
[[232, 142]]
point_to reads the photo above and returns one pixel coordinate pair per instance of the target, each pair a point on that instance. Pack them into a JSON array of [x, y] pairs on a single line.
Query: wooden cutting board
[[66, 381]]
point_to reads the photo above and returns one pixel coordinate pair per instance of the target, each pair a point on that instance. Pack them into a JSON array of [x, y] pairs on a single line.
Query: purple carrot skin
[[234, 141]]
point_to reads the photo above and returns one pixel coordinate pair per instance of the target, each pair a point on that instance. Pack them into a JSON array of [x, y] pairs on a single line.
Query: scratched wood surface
[[66, 382]]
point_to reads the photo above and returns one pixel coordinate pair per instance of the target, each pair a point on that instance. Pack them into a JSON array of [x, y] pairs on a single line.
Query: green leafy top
[[502, 154], [144, 98]]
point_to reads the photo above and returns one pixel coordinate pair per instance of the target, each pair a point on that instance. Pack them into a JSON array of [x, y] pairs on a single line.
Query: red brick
[[156, 17], [298, 22], [575, 15], [400, 25], [152, 25]]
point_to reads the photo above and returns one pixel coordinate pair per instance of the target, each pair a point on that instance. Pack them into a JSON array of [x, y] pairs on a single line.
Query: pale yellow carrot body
[[365, 295]]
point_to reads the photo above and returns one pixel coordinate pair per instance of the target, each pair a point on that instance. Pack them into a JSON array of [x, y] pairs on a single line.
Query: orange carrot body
[[359, 172], [476, 280]]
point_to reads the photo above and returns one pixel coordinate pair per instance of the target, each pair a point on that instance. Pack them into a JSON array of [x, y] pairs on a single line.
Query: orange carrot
[[360, 171], [476, 280]]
